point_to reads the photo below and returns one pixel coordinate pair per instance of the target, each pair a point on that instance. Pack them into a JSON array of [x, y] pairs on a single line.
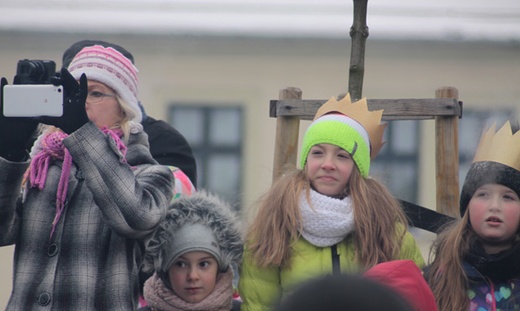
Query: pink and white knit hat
[[108, 66]]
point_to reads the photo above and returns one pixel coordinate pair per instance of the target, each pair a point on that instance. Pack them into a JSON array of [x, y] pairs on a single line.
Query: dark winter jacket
[[111, 210], [494, 279], [169, 147]]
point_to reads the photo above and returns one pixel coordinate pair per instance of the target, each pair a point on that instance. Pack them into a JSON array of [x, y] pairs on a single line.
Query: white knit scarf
[[326, 221], [161, 298]]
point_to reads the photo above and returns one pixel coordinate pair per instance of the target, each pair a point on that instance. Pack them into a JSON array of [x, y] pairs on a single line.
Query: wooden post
[[447, 157], [287, 132]]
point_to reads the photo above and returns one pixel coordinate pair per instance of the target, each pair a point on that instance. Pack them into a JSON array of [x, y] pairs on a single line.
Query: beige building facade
[[248, 72]]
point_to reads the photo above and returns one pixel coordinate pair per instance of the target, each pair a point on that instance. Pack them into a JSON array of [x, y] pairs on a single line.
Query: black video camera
[[35, 71]]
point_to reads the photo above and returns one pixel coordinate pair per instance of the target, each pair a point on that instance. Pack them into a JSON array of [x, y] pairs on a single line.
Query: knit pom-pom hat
[[110, 67], [200, 222], [341, 131]]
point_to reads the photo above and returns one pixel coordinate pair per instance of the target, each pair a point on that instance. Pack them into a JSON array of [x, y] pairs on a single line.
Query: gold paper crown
[[502, 146], [370, 120]]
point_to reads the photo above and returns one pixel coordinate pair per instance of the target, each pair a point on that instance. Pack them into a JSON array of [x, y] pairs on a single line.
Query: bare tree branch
[[359, 34]]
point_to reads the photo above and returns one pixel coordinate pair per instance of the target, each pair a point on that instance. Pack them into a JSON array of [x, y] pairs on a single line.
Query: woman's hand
[[74, 113], [15, 132]]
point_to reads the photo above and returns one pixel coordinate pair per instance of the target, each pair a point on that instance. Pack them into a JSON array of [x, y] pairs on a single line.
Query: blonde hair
[[128, 115], [377, 213]]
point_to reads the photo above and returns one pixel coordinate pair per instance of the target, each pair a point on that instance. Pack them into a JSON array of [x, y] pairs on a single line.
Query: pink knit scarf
[[161, 298], [52, 149]]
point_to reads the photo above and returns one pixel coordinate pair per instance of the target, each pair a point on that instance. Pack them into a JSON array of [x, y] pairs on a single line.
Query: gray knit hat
[[191, 237], [200, 222]]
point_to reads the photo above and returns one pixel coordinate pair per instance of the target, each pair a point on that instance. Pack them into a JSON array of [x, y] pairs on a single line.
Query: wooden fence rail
[[445, 108]]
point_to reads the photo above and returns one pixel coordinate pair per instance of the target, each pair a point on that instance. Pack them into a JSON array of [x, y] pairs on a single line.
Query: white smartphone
[[33, 100]]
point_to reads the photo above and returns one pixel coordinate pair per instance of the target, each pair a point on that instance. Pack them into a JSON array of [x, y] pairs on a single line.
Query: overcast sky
[[413, 19]]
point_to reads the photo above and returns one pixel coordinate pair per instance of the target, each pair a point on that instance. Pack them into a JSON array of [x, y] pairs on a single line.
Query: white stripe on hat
[[348, 121]]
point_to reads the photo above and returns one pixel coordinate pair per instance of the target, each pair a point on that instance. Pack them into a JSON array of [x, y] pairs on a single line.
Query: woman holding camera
[[84, 205]]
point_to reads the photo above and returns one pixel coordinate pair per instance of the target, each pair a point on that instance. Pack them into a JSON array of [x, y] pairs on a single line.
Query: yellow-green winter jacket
[[260, 288]]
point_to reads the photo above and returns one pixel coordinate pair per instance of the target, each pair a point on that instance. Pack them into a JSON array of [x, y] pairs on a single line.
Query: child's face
[[328, 169], [193, 276], [494, 214]]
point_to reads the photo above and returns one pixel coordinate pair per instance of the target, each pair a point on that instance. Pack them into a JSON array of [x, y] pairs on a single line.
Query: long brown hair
[[379, 219], [446, 275], [278, 221], [377, 214]]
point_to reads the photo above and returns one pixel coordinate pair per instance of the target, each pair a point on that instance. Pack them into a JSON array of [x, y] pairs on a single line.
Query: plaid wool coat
[[112, 208]]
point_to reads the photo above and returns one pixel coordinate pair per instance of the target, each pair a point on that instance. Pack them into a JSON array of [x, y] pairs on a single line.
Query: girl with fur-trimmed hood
[[191, 253]]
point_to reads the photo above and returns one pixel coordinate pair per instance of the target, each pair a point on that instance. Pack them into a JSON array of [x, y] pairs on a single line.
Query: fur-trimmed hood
[[200, 208]]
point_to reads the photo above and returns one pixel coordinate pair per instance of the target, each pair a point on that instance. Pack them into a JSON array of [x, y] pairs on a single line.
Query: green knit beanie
[[341, 131]]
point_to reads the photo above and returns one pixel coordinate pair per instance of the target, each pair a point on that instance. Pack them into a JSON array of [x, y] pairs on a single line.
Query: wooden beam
[[287, 132], [447, 157], [394, 109]]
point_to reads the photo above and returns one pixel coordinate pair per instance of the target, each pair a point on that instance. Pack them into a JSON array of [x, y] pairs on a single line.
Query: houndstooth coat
[[112, 208]]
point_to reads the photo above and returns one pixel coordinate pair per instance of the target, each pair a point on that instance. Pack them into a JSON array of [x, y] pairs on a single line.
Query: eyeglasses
[[95, 96]]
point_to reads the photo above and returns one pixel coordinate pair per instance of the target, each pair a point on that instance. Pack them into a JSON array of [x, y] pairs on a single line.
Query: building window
[[397, 163], [215, 135]]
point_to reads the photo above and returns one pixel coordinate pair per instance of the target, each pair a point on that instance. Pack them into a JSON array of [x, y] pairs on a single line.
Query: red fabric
[[406, 278]]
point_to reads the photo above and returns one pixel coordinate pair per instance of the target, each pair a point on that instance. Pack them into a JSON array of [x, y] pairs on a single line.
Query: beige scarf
[[161, 298]]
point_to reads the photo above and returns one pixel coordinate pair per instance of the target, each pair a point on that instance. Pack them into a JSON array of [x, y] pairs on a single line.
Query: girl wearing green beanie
[[329, 216]]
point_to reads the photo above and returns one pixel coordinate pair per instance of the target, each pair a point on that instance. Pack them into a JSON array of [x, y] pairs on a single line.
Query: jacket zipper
[[335, 260]]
